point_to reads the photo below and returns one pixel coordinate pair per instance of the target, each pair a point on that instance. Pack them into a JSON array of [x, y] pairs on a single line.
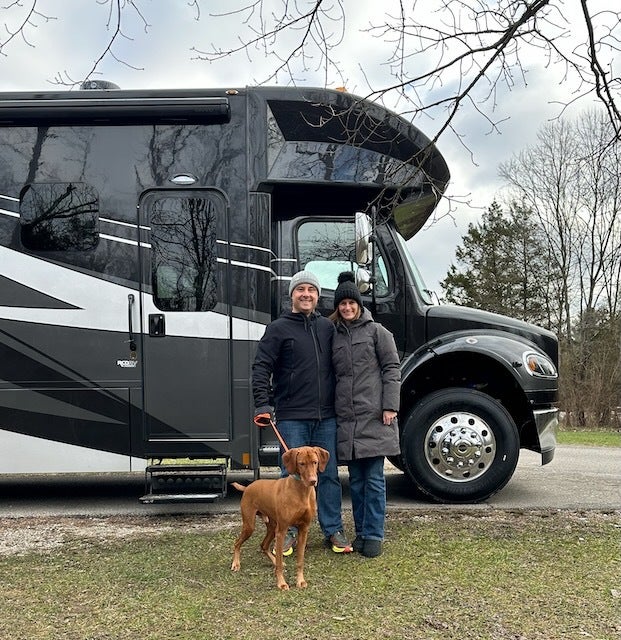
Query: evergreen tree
[[502, 267]]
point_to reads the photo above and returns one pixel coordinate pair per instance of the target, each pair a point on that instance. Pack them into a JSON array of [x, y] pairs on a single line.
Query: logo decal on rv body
[[127, 364]]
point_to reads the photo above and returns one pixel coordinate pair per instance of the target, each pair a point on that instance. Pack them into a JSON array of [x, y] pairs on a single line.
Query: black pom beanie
[[347, 289]]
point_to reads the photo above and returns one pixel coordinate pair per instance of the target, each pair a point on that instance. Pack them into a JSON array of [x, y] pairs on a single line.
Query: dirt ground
[[19, 536]]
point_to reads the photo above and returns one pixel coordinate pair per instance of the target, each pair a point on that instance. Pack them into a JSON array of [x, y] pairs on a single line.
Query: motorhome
[[148, 237]]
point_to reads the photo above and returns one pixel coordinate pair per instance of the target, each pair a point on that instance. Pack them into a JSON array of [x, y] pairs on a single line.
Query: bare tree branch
[[462, 57], [28, 21], [443, 57]]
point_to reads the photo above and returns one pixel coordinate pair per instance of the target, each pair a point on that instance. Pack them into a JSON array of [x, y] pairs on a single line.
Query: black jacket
[[295, 354]]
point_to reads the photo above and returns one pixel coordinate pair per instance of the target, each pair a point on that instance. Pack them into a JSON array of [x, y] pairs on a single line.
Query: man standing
[[294, 358]]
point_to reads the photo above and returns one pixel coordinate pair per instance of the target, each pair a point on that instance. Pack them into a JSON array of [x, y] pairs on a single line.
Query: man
[[294, 358]]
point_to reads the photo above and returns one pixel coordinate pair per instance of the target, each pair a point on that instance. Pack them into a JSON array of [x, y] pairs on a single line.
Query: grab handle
[[130, 305]]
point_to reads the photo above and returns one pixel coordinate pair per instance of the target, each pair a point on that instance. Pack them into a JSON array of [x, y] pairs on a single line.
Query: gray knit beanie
[[304, 277], [347, 289]]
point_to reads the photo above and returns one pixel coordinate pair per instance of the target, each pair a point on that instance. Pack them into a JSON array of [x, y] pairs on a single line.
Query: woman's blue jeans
[[319, 433], [368, 496]]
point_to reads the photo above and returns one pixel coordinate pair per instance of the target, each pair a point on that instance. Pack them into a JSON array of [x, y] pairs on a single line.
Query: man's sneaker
[[290, 543], [339, 543]]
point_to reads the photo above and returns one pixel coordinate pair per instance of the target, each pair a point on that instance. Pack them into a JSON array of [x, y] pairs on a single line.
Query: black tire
[[459, 445]]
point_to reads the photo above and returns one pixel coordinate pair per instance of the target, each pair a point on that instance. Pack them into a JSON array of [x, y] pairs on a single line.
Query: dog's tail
[[239, 487]]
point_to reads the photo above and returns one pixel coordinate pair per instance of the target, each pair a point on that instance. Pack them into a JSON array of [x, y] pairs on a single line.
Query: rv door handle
[[130, 305], [157, 325]]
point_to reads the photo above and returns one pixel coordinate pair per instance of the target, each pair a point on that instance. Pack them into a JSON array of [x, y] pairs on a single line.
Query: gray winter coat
[[368, 380]]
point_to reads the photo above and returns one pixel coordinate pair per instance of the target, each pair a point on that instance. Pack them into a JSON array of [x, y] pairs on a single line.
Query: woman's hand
[[389, 416]]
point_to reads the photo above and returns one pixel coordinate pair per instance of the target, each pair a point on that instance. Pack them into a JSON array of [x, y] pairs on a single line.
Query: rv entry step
[[184, 483]]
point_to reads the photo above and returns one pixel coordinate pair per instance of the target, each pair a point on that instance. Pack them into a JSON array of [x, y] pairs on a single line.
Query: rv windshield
[[416, 276]]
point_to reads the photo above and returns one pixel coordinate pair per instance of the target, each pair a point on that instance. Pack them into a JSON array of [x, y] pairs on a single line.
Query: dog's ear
[[323, 456], [290, 461]]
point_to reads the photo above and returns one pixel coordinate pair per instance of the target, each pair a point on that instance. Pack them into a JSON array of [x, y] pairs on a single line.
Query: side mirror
[[363, 280], [363, 231]]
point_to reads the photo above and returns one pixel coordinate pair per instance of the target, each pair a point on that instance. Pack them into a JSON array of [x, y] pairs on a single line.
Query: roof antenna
[[98, 84]]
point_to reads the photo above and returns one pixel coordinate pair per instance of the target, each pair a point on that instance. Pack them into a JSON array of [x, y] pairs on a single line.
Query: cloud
[[69, 37]]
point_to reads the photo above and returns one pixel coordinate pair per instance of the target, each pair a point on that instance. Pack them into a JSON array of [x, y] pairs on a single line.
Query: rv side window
[[327, 247], [184, 260], [59, 216]]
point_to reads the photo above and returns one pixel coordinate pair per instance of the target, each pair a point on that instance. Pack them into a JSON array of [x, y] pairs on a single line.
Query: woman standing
[[368, 380]]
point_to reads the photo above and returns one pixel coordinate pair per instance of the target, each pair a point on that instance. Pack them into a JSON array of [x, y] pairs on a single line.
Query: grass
[[591, 438], [485, 575]]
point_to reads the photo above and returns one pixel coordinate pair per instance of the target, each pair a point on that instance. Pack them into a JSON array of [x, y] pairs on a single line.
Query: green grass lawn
[[444, 575], [593, 438]]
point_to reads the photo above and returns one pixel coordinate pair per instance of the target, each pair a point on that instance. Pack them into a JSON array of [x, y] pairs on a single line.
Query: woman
[[368, 380]]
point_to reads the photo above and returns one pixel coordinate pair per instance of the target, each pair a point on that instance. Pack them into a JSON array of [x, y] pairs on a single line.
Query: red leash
[[282, 442]]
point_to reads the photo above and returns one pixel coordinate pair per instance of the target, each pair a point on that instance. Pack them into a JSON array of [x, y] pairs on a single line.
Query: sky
[[64, 39]]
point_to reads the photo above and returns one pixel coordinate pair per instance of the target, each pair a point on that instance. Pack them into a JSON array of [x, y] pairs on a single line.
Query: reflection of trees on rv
[[184, 256], [66, 216], [59, 216], [326, 241]]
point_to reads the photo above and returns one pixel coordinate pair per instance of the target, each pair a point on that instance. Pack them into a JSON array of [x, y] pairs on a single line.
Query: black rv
[[148, 237]]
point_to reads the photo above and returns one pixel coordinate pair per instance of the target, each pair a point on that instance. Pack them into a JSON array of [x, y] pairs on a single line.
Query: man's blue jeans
[[368, 496], [319, 433]]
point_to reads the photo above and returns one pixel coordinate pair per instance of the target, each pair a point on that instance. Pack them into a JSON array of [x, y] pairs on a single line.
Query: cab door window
[[326, 247]]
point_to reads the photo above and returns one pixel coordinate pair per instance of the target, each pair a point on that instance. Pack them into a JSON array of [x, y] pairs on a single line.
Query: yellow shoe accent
[[290, 544]]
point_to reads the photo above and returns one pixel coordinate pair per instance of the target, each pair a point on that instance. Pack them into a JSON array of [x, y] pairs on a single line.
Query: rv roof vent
[[98, 84]]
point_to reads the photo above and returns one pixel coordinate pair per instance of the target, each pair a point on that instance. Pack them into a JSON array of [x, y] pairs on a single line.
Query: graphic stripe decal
[[83, 294]]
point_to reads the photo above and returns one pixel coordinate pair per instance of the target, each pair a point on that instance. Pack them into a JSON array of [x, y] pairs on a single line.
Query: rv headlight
[[539, 365]]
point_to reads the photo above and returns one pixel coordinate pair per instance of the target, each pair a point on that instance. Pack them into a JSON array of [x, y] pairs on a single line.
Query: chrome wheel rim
[[460, 447]]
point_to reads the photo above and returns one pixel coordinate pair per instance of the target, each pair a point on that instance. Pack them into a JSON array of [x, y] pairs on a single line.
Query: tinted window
[[184, 264], [59, 216], [327, 247]]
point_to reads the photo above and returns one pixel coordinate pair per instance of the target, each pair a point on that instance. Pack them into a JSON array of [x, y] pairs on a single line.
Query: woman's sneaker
[[339, 543], [372, 548]]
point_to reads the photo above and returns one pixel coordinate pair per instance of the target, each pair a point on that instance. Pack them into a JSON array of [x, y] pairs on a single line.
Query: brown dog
[[283, 503]]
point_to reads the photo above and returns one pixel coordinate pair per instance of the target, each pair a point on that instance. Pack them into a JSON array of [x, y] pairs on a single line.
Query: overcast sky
[[71, 34]]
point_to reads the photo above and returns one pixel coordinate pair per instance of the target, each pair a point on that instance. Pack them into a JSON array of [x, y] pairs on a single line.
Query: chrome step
[[184, 483]]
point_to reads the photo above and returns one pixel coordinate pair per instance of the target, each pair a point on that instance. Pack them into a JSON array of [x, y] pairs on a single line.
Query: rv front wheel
[[460, 445]]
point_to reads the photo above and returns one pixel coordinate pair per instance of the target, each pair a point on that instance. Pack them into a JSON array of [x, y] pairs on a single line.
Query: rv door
[[185, 321]]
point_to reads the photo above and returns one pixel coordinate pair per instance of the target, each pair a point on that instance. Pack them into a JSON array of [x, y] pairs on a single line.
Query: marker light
[[539, 365]]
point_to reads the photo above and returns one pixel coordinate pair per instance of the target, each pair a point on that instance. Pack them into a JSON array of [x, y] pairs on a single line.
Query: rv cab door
[[185, 321]]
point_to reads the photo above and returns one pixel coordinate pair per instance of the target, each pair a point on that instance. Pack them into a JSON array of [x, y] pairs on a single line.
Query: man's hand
[[263, 419]]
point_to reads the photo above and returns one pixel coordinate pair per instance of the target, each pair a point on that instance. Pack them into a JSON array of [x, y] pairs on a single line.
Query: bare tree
[[571, 180], [542, 178], [21, 20], [444, 56]]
